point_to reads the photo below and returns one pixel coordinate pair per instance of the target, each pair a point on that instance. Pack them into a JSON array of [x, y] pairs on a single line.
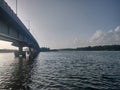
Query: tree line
[[100, 48]]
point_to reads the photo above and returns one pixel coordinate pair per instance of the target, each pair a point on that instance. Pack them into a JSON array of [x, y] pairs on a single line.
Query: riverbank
[[89, 48]]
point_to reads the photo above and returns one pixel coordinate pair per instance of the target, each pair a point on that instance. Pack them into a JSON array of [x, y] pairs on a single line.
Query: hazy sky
[[71, 23]]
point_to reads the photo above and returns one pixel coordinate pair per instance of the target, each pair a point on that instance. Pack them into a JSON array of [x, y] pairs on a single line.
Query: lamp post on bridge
[[16, 7], [29, 25]]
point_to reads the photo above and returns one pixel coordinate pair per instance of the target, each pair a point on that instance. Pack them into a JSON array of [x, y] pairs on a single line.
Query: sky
[[70, 23]]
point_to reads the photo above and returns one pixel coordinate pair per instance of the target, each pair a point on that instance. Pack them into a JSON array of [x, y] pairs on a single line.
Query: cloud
[[100, 37], [105, 38], [97, 37]]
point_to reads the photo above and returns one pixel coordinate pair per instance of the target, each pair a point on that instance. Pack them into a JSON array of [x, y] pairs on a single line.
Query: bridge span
[[13, 30]]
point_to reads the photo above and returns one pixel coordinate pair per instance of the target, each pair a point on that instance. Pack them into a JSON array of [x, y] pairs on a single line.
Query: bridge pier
[[20, 48], [20, 52], [32, 53]]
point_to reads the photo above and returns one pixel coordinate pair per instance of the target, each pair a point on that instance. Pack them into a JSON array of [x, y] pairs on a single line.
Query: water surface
[[64, 70]]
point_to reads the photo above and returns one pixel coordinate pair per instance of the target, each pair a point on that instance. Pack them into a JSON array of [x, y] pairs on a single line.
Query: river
[[62, 70]]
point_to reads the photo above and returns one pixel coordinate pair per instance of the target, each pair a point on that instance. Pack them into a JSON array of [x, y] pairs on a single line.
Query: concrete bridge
[[13, 30]]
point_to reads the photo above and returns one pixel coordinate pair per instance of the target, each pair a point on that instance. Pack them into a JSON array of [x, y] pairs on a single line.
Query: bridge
[[13, 30]]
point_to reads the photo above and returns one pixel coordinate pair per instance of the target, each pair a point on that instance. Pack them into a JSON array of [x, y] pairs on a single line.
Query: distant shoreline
[[89, 48], [7, 51]]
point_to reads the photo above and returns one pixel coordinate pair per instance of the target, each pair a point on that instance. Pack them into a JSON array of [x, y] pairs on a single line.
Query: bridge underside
[[13, 30]]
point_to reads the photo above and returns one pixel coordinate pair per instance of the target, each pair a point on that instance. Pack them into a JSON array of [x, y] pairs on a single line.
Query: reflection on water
[[14, 72], [75, 70], [19, 77]]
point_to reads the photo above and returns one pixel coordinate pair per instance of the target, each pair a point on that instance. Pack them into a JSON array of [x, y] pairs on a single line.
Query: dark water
[[70, 70]]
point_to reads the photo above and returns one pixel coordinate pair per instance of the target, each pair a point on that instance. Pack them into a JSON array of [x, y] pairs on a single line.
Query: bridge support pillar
[[20, 52], [32, 53], [20, 48]]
